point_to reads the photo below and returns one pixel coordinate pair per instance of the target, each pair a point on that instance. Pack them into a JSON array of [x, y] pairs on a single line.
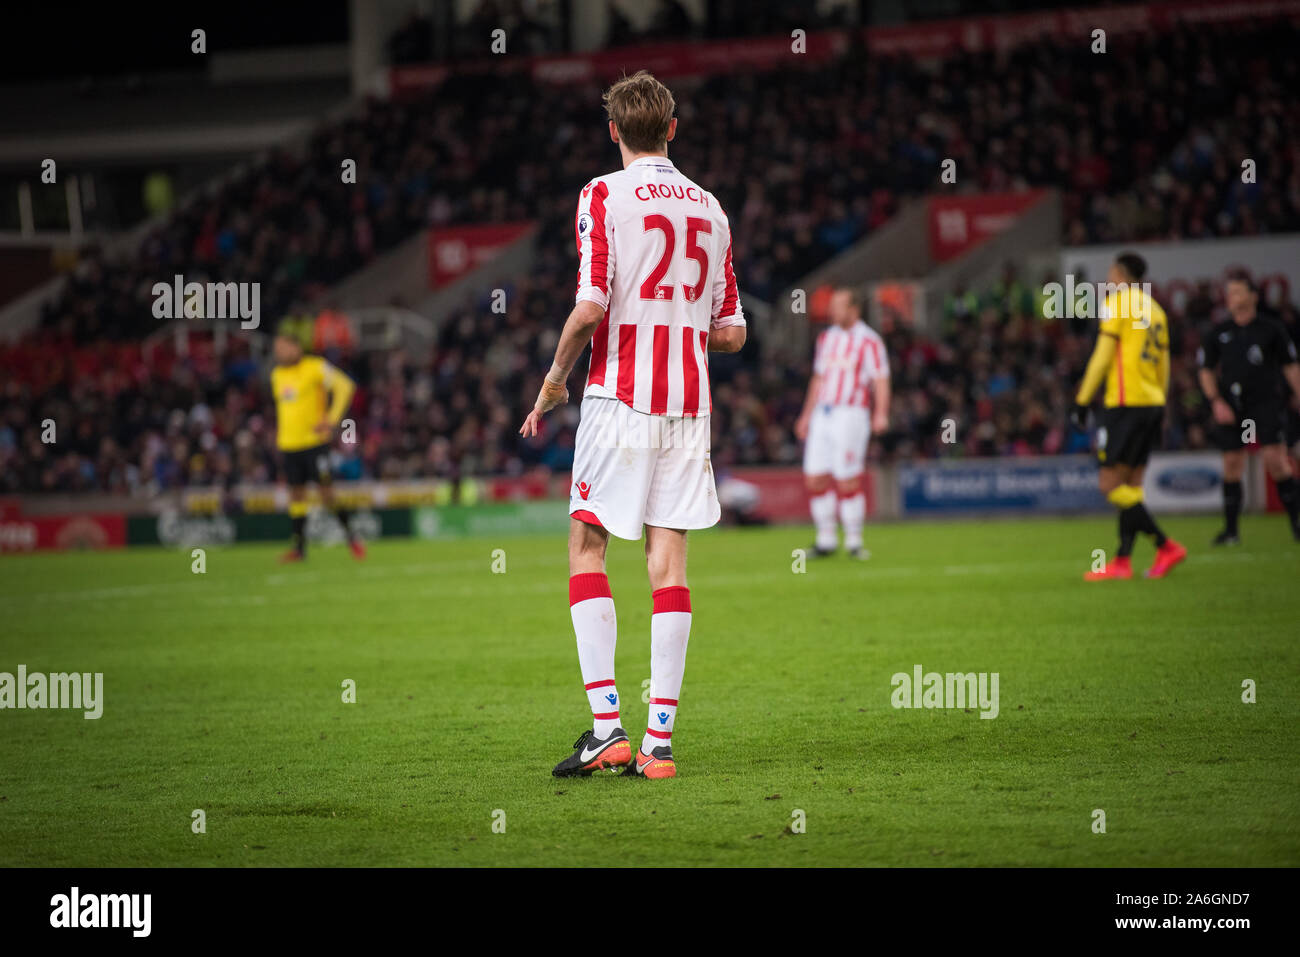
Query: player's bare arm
[[880, 404], [727, 339], [578, 330], [810, 400], [1292, 373]]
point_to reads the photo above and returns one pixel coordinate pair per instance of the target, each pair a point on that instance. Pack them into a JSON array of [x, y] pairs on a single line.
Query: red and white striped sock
[[822, 508], [670, 631], [853, 513], [591, 605]]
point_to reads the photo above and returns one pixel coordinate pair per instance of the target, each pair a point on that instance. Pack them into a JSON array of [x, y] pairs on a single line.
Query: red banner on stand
[[960, 223], [457, 250]]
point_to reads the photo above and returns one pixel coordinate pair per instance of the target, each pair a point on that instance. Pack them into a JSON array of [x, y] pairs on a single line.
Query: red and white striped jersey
[[654, 250], [847, 360]]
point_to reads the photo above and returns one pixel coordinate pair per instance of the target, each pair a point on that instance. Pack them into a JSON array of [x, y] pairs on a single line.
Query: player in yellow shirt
[[1132, 355], [311, 397]]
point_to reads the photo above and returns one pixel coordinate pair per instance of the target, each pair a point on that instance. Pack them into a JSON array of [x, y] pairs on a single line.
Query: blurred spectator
[[332, 334]]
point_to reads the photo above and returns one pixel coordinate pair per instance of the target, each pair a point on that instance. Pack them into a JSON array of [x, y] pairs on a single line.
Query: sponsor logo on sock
[[612, 698], [663, 717]]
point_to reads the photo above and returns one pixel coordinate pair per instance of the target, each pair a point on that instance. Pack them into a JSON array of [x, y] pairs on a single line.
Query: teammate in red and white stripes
[[847, 399], [656, 293]]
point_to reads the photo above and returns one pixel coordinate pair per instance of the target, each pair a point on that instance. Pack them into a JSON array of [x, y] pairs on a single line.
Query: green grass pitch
[[223, 692]]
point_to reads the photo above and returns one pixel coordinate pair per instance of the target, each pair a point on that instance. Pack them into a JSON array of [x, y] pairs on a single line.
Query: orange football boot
[[1121, 567], [658, 764], [1167, 556], [593, 754]]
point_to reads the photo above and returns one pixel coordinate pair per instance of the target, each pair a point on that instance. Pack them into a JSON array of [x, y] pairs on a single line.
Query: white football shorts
[[837, 441], [632, 469]]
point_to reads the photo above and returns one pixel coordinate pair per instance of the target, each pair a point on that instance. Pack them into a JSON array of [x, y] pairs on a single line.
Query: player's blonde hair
[[641, 108]]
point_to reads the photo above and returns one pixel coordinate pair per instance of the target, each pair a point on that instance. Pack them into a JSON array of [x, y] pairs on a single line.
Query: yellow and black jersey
[[1133, 341], [1140, 375], [308, 393]]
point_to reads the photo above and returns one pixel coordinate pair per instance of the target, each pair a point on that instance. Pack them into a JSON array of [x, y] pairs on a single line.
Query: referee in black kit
[[1251, 354]]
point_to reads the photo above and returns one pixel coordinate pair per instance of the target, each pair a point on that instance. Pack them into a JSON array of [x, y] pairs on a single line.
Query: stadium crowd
[[1144, 143], [538, 31], [806, 161], [146, 421]]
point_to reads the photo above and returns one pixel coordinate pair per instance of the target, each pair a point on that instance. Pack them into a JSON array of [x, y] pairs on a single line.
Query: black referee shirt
[[1249, 359]]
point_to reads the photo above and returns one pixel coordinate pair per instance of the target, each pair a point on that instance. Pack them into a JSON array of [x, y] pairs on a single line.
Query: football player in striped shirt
[[848, 399], [656, 293]]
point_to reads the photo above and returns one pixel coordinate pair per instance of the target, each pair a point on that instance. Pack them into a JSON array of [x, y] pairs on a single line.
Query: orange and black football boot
[[593, 754], [657, 764]]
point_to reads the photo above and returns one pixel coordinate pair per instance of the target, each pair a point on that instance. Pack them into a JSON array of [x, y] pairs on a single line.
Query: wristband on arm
[[553, 390]]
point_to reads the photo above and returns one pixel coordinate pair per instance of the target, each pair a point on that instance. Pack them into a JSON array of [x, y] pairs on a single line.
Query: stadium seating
[[806, 161]]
